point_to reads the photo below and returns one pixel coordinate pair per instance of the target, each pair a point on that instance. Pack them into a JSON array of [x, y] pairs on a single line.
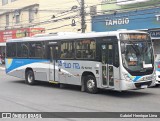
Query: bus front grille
[[139, 85]]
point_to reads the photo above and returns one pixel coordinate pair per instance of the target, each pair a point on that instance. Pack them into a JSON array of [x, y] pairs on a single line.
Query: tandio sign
[[120, 21]]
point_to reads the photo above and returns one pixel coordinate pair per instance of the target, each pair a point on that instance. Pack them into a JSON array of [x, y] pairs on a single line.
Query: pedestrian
[[0, 60]]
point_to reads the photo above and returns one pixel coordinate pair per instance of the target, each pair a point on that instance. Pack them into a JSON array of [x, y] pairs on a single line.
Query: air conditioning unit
[[93, 10]]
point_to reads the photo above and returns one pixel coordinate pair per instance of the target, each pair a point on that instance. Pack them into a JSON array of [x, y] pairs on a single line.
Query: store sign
[[19, 33], [130, 20], [155, 33], [120, 21]]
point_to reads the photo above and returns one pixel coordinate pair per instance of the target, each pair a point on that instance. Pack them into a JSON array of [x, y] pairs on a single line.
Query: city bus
[[116, 60]]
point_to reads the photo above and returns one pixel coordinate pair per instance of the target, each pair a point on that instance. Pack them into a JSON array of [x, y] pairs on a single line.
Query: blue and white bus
[[118, 60]]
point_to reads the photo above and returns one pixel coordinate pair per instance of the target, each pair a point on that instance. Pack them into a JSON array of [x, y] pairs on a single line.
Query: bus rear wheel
[[30, 77], [90, 84]]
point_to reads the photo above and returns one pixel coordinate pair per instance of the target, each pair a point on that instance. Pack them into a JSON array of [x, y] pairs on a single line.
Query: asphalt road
[[16, 96]]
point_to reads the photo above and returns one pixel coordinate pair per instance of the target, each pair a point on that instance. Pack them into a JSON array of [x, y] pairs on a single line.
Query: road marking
[[2, 68]]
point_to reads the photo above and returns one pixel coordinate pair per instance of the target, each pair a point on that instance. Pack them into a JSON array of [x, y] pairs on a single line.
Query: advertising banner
[[19, 33]]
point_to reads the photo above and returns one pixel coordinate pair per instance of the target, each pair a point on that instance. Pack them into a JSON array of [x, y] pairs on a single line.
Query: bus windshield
[[137, 53]]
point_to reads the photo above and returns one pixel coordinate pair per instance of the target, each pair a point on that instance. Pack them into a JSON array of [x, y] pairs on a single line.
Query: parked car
[[157, 65]]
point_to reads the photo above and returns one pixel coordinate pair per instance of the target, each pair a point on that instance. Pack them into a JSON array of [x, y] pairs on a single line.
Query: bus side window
[[37, 50], [78, 54], [22, 49], [11, 49], [25, 50], [67, 50], [85, 48]]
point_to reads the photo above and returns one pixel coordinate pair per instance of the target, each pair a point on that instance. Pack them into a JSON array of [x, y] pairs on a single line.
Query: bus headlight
[[154, 77], [151, 77], [127, 78]]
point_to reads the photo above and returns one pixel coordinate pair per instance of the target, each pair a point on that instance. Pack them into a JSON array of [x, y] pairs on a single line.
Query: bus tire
[[91, 84], [30, 77]]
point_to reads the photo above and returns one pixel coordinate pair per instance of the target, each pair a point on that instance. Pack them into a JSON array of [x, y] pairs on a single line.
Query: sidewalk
[[2, 67]]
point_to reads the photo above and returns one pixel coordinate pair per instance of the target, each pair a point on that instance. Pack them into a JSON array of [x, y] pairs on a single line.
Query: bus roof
[[71, 35]]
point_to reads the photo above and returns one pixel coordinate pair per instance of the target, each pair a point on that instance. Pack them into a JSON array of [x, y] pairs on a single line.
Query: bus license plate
[[144, 86]]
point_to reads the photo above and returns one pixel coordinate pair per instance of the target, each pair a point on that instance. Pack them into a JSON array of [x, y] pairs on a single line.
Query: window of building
[[13, 0], [37, 49], [4, 2], [22, 50], [7, 20], [31, 15], [67, 50], [11, 50], [17, 17], [85, 49]]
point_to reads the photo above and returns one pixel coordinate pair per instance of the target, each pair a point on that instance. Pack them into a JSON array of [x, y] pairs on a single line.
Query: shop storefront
[[155, 35], [145, 20], [132, 20]]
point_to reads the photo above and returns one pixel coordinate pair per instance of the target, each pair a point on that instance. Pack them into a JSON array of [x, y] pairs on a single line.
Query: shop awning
[[2, 44], [155, 38]]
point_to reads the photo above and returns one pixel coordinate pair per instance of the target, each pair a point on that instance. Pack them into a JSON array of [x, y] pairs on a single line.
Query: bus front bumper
[[137, 85]]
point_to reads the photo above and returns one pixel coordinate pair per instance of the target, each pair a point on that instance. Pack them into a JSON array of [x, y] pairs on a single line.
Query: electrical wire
[[74, 11], [89, 21], [66, 18], [62, 14], [102, 20]]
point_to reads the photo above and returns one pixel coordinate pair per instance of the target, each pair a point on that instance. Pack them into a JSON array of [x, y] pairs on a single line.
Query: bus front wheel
[[30, 77], [90, 84]]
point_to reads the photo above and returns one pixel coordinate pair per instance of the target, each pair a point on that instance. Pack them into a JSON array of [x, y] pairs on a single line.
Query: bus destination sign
[[134, 36]]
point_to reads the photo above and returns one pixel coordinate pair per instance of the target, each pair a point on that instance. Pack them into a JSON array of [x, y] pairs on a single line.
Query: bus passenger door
[[53, 70], [107, 64]]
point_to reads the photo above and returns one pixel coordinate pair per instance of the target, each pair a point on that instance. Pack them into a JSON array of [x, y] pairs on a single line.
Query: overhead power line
[[83, 24], [82, 14]]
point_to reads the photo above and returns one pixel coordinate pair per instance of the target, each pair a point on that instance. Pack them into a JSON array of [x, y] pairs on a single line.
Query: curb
[[2, 68]]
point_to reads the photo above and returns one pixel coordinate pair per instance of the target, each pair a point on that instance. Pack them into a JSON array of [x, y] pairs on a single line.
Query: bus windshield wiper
[[132, 45]]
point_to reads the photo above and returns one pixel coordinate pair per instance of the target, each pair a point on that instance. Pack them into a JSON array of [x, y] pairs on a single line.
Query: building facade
[[44, 15], [54, 16]]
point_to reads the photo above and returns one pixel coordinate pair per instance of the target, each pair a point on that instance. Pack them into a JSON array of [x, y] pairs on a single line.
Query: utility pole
[[82, 13]]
